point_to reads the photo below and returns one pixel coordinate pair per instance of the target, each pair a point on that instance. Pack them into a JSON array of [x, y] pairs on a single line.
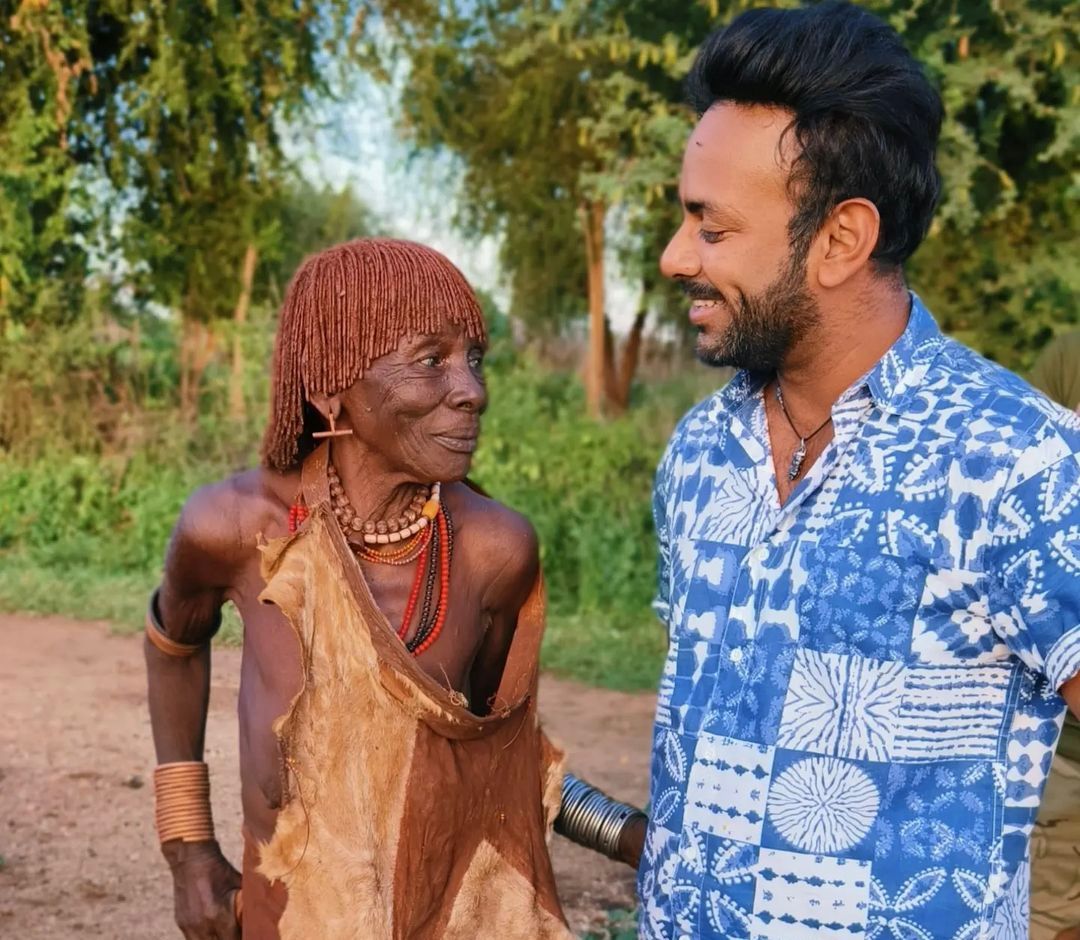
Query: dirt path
[[77, 848]]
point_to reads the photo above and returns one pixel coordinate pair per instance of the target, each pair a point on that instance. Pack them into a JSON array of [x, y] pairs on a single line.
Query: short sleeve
[[661, 521], [1034, 558]]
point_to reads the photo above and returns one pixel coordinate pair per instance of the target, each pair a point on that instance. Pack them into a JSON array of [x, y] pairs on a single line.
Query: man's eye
[[431, 361], [711, 237], [476, 361]]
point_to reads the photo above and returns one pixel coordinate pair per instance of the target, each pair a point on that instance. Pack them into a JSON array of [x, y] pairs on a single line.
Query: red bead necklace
[[435, 540], [425, 642], [298, 514]]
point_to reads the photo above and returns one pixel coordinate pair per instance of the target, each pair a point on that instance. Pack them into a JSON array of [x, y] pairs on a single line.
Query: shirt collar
[[891, 382], [898, 374], [743, 386]]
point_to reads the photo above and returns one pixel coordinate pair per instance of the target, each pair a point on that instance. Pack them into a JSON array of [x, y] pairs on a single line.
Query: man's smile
[[703, 310]]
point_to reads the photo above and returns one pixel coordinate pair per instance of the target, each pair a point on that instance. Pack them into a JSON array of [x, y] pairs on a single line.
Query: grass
[[587, 647], [85, 593], [613, 653], [621, 925], [83, 531]]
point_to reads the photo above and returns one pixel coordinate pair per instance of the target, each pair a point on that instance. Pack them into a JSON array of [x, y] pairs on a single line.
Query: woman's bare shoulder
[[502, 542], [221, 522]]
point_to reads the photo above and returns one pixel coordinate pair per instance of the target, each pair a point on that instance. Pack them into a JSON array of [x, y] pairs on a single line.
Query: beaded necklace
[[431, 546], [415, 519]]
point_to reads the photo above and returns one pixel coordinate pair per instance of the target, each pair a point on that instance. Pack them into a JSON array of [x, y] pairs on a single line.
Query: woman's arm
[[185, 613]]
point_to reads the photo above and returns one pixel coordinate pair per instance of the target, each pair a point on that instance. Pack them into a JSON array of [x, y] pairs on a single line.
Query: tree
[[1002, 263], [43, 206], [559, 112], [307, 218], [171, 110], [570, 111]]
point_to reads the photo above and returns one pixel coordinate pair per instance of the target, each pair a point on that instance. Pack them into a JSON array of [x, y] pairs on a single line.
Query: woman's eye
[[431, 361], [476, 362]]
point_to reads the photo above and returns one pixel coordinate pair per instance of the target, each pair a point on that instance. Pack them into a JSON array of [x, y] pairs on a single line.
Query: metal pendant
[[797, 460]]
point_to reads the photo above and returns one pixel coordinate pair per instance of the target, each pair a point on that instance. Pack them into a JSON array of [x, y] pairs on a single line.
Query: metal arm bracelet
[[591, 818], [155, 633]]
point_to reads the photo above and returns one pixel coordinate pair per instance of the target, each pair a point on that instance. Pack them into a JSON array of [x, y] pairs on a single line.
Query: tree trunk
[[196, 351], [611, 375], [628, 362], [592, 223], [237, 409]]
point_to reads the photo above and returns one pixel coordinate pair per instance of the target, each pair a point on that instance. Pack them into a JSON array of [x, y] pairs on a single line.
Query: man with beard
[[869, 540]]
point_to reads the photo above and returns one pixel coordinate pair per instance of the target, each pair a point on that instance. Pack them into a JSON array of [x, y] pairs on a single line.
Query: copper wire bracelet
[[182, 802], [155, 633]]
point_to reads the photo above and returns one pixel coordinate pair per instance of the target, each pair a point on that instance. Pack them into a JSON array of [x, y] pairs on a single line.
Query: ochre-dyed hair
[[346, 306]]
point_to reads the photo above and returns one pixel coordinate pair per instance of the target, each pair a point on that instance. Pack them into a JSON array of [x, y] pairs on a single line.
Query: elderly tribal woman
[[395, 781]]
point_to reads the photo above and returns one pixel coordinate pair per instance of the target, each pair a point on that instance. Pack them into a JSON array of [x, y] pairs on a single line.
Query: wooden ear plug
[[334, 431]]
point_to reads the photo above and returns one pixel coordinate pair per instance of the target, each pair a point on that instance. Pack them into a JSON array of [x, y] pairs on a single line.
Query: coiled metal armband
[[591, 818]]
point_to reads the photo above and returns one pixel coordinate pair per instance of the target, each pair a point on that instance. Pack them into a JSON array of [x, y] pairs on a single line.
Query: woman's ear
[[329, 406]]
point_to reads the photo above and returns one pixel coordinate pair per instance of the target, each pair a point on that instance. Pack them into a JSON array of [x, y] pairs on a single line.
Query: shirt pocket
[[895, 597], [856, 599]]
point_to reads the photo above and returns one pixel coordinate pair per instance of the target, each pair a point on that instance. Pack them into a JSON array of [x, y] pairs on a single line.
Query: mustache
[[700, 290]]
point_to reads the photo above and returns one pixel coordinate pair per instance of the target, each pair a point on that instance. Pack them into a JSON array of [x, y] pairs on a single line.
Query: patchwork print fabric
[[859, 707]]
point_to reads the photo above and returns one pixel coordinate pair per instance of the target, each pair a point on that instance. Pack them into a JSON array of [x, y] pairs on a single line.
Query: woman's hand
[[204, 890]]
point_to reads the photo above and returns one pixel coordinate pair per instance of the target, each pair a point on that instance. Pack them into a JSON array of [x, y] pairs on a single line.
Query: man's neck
[[854, 334]]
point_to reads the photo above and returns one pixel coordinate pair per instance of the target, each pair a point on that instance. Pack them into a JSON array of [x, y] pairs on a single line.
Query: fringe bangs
[[344, 308]]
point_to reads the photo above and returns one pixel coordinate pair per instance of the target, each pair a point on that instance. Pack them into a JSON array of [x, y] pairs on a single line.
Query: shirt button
[[761, 553]]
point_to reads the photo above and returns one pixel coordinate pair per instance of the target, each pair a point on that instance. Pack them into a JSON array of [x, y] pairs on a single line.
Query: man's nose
[[680, 257]]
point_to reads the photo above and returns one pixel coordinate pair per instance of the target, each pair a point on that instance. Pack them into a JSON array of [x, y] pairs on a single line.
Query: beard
[[764, 327]]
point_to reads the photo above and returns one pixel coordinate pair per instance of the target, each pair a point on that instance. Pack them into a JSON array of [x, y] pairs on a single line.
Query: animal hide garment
[[407, 817]]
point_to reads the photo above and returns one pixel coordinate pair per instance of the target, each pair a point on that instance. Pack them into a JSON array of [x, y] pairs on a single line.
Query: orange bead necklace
[[432, 548]]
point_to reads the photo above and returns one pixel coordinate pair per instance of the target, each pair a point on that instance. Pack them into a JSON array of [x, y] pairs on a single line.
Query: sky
[[353, 142]]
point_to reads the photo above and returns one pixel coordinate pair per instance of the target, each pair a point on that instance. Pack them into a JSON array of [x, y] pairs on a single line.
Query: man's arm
[[186, 612], [1070, 691], [1036, 590]]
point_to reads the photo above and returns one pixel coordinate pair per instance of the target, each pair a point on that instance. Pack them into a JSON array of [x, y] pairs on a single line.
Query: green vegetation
[[566, 117], [621, 925], [149, 218], [84, 533]]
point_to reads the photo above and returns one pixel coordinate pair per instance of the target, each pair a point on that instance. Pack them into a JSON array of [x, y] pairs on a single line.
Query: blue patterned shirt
[[858, 708]]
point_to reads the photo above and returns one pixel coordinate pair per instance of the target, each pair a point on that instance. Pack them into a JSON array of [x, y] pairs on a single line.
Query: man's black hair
[[865, 116]]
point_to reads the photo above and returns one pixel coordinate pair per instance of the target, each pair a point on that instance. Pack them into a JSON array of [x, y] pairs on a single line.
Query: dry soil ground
[[78, 850]]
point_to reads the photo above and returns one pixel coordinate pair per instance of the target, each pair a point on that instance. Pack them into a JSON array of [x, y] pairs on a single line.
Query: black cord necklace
[[800, 454]]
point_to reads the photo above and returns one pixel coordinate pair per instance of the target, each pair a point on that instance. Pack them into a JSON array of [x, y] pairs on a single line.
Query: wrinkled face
[[732, 254], [419, 406]]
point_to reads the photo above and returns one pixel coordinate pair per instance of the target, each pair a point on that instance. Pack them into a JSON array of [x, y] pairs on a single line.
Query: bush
[[84, 533]]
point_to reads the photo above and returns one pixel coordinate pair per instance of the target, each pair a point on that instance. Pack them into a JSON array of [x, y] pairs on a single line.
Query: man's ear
[[846, 241]]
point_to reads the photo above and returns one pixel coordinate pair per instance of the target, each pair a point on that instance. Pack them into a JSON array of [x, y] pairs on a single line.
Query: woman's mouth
[[458, 444]]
